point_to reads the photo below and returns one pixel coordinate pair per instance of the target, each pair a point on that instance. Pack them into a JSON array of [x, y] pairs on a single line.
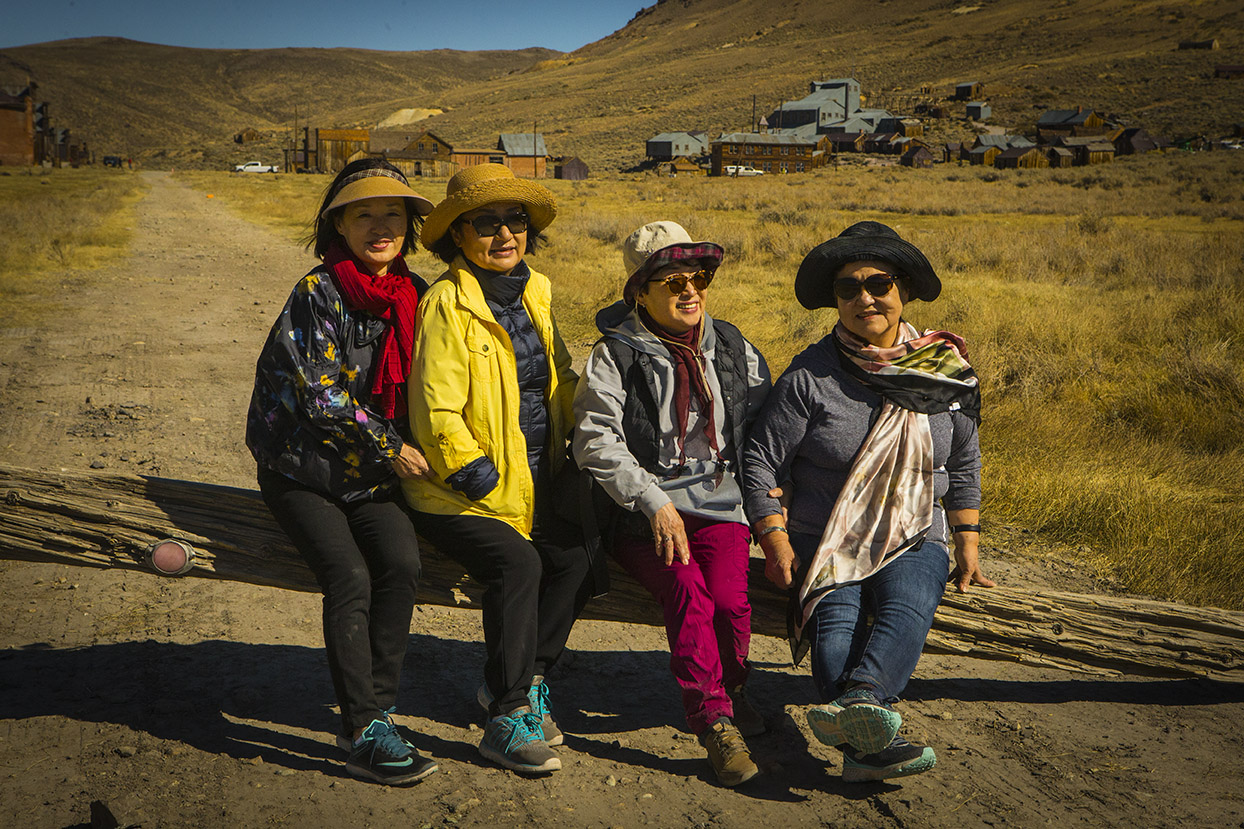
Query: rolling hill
[[681, 64]]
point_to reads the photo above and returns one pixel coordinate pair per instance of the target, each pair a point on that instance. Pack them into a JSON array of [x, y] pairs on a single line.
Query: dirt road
[[197, 703]]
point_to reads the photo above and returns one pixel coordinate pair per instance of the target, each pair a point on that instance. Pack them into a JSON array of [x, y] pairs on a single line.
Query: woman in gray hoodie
[[661, 412]]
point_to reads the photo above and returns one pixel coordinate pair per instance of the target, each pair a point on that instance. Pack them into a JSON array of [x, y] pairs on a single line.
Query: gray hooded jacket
[[599, 442]]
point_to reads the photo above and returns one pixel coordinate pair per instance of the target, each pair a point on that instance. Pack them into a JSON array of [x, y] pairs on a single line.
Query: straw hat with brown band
[[484, 184]]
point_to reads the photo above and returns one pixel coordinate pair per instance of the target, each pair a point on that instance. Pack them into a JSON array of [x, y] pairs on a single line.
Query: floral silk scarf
[[886, 506]]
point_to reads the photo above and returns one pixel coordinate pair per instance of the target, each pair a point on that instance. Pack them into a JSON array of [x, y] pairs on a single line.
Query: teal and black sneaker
[[382, 755], [538, 696], [514, 741], [899, 759], [867, 723], [347, 745], [823, 720]]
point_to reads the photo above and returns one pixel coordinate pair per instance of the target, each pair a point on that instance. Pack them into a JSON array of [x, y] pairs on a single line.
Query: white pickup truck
[[255, 167], [741, 170]]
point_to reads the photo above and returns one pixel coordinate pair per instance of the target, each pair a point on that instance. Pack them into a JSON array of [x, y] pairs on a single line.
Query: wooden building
[[951, 151], [1021, 157], [668, 146], [769, 153], [570, 169], [418, 154], [469, 157], [1229, 71], [17, 129], [335, 149], [681, 166], [1212, 43], [1059, 157], [906, 127], [847, 142], [880, 143], [984, 155], [526, 153], [1133, 141], [1078, 122], [917, 156], [1088, 149], [247, 135], [979, 110], [968, 90]]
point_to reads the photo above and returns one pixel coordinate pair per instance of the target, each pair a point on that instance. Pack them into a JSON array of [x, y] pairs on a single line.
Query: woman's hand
[[967, 566], [670, 535], [410, 463], [781, 563]]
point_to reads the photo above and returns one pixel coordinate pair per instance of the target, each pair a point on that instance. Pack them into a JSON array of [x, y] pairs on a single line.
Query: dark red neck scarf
[[689, 377], [391, 298]]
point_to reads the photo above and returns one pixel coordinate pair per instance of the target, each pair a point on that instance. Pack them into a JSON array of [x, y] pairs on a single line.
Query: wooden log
[[108, 520]]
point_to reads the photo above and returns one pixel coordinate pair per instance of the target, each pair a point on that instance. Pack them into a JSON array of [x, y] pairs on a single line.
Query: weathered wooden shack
[[525, 152], [1212, 43], [1078, 122], [879, 142], [470, 156], [1133, 141], [1088, 150], [979, 110], [17, 128], [247, 135], [415, 153], [681, 166], [847, 142], [968, 90], [918, 156], [1229, 71], [769, 153], [1059, 157], [951, 151], [1017, 157], [984, 155], [906, 127], [334, 149], [570, 169]]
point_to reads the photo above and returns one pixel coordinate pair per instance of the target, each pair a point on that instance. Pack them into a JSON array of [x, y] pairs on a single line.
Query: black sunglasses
[[490, 224], [677, 283], [876, 285]]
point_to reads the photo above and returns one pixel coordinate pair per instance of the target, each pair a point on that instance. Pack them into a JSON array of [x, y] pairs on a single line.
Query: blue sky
[[392, 25]]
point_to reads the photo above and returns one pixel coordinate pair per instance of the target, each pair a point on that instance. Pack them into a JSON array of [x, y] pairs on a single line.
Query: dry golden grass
[[59, 219], [1104, 310]]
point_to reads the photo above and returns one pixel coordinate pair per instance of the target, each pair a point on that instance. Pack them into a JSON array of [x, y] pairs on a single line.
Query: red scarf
[[391, 298], [689, 376]]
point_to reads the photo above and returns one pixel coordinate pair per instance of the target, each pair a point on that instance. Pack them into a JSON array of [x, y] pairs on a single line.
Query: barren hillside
[[681, 64]]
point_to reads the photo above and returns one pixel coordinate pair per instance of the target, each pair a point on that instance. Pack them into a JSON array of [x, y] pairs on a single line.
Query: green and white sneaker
[[513, 740], [899, 759], [823, 720], [381, 755], [867, 723]]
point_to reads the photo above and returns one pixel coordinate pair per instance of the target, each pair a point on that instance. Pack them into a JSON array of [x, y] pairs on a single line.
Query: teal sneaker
[[346, 744], [899, 759], [823, 720], [513, 740], [381, 755], [867, 723], [538, 696]]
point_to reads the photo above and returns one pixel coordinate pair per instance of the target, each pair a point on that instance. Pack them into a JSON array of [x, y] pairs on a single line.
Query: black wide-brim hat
[[814, 283]]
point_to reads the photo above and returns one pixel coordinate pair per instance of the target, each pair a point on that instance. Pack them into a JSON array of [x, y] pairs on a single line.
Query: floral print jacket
[[309, 417]]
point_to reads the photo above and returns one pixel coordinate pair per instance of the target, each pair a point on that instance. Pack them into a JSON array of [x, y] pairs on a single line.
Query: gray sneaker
[[513, 740], [538, 696]]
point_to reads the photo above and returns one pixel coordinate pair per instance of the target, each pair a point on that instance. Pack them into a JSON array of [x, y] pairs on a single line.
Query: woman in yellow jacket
[[490, 403]]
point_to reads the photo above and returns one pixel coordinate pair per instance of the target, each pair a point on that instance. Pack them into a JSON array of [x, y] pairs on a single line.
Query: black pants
[[533, 592], [366, 560]]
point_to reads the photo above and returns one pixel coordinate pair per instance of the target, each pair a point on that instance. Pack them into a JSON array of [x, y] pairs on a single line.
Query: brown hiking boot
[[746, 718], [728, 754]]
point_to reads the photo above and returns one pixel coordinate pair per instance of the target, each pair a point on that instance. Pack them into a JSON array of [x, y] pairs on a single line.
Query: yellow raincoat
[[463, 397]]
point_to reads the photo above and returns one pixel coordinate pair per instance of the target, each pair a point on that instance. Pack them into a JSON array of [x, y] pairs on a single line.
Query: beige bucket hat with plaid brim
[[484, 184], [657, 244], [374, 183]]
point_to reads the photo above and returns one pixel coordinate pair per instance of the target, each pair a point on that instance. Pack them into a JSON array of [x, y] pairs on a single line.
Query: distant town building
[[768, 153], [827, 101], [1076, 122], [979, 110], [571, 169], [17, 128], [918, 156], [670, 145], [681, 166], [968, 90], [1132, 141], [335, 149], [1199, 44], [1017, 157], [1229, 71], [527, 155]]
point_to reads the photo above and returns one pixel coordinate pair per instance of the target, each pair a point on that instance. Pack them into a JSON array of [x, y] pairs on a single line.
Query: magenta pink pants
[[708, 619]]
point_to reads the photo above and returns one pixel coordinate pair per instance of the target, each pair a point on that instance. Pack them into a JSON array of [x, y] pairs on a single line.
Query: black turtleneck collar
[[500, 289]]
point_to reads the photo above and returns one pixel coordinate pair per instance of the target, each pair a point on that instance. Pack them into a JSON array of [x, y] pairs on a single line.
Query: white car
[[255, 167], [741, 170]]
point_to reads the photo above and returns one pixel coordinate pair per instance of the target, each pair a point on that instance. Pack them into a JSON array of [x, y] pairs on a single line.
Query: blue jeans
[[872, 632]]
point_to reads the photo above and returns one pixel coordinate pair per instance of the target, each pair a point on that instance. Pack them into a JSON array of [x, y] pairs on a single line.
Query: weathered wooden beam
[[109, 520]]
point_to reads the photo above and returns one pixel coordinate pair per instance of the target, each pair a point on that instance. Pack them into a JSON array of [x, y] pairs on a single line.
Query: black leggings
[[533, 592], [366, 559]]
